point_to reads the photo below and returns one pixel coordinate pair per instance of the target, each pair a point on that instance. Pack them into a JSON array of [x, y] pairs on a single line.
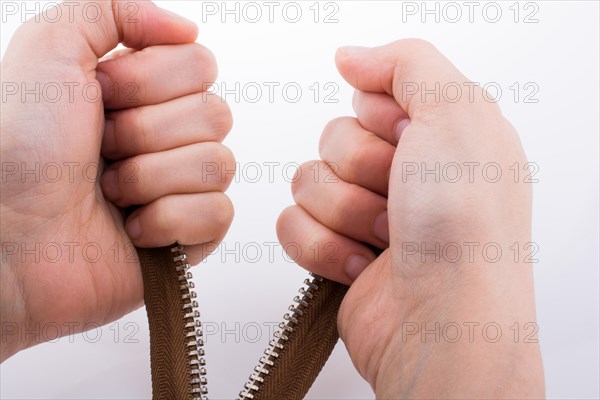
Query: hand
[[413, 320], [68, 259]]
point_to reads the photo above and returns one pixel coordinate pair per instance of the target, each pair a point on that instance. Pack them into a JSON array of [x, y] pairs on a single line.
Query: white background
[[560, 133]]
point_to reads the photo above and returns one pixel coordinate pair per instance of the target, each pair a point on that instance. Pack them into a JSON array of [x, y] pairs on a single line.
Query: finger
[[405, 69], [319, 249], [198, 253], [187, 219], [86, 31], [117, 53], [380, 113], [146, 77], [139, 180], [191, 119], [345, 208], [357, 155]]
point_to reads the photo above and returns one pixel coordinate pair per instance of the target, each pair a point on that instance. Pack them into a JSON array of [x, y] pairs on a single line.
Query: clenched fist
[[131, 129], [429, 177]]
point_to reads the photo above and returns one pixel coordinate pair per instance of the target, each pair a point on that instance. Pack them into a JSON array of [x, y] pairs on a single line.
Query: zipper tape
[[176, 353], [290, 364], [300, 349]]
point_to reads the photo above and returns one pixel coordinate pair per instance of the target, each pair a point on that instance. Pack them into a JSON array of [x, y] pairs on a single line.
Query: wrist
[[455, 370], [467, 340]]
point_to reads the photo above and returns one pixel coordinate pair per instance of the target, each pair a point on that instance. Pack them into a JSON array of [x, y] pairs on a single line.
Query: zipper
[[176, 338], [281, 337], [300, 348], [290, 364], [192, 325]]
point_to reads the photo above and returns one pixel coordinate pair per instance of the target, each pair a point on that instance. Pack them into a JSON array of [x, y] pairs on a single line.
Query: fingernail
[[104, 80], [133, 228], [400, 128], [353, 50], [110, 186], [355, 264], [381, 227]]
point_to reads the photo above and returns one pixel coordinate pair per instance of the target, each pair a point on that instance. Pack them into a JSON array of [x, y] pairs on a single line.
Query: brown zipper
[[299, 350], [176, 353], [290, 364]]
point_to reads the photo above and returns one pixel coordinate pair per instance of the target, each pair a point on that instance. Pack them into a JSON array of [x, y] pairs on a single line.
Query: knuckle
[[223, 214], [302, 175], [286, 220], [228, 162], [331, 125], [225, 160], [216, 164], [218, 154], [285, 217], [226, 156], [334, 124], [221, 118], [326, 138], [330, 132], [415, 44], [330, 128], [201, 58]]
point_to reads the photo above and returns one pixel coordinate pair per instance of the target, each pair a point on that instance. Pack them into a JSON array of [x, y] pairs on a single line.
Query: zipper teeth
[[192, 326], [280, 337]]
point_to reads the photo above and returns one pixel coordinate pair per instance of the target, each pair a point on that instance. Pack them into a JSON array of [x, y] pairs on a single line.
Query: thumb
[[84, 31], [411, 70]]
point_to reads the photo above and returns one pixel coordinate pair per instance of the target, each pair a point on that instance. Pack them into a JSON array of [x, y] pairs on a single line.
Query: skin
[[162, 134], [368, 197], [171, 126]]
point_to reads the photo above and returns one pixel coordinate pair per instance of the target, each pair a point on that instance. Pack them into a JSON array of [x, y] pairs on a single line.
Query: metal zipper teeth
[[280, 337], [192, 326]]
